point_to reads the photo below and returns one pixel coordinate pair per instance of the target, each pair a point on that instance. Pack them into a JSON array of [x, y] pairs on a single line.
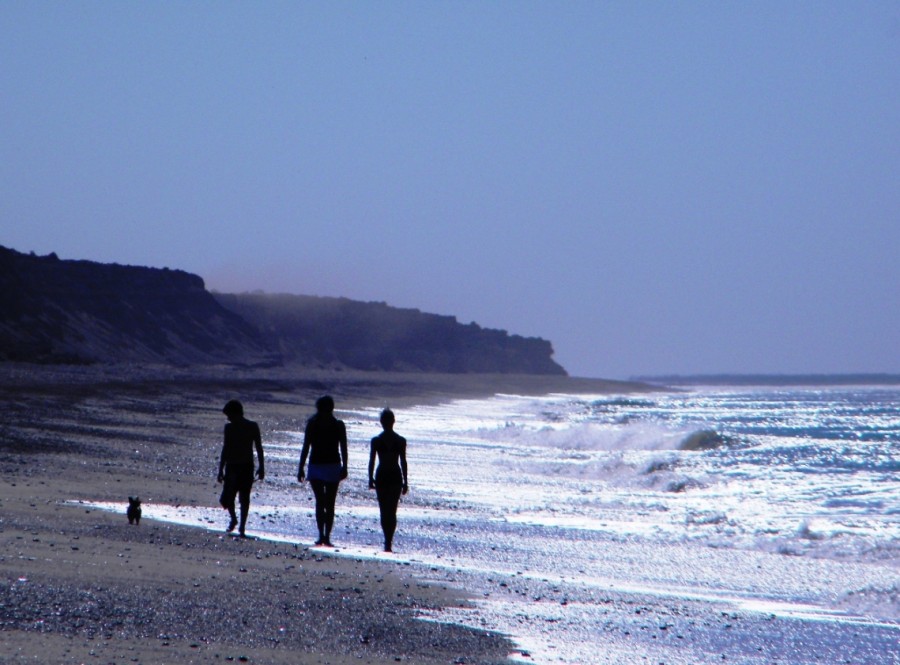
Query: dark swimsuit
[[389, 446]]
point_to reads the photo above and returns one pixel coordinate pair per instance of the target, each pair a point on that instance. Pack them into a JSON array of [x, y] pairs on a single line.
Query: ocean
[[668, 527]]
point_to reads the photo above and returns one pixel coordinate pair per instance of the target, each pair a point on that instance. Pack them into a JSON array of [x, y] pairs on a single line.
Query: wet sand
[[82, 585]]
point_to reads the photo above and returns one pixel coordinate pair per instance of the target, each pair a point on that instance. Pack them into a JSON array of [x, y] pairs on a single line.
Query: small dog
[[134, 510]]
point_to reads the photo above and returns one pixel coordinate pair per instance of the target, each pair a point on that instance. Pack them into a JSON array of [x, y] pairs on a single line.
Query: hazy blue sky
[[653, 186]]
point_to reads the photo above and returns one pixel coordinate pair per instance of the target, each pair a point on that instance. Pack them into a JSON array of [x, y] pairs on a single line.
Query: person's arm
[[221, 476], [343, 441], [303, 453], [372, 464], [257, 441], [403, 465]]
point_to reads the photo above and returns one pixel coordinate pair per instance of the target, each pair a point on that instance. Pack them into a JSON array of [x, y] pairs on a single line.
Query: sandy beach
[[82, 585]]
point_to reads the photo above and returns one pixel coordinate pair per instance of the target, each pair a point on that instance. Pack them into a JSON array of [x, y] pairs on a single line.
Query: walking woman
[[325, 442], [390, 480]]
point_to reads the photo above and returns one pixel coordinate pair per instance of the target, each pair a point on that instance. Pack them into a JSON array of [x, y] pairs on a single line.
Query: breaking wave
[[603, 437]]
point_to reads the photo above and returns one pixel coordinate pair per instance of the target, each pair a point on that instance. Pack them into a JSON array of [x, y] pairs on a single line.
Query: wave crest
[[704, 439], [605, 437]]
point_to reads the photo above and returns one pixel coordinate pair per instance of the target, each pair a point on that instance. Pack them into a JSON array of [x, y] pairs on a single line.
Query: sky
[[655, 187]]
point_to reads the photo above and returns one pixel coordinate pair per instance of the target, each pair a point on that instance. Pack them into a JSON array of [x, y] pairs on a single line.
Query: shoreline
[[90, 586]]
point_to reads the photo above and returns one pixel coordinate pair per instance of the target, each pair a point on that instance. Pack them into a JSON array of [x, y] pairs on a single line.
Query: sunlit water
[[784, 501]]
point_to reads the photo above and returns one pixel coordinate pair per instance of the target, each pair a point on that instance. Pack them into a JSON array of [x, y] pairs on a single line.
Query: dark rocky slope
[[83, 312], [60, 311], [374, 336]]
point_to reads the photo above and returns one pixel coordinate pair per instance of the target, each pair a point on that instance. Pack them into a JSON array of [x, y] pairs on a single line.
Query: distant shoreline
[[773, 379], [370, 386]]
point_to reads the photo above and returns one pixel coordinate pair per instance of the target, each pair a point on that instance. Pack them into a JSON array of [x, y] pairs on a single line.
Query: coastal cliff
[[64, 311], [56, 311], [375, 336]]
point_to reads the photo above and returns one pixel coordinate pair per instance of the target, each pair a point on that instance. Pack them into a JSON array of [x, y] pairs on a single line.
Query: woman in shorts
[[325, 443]]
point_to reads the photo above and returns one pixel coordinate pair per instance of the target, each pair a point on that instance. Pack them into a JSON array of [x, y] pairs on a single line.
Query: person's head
[[387, 419], [325, 404], [233, 409]]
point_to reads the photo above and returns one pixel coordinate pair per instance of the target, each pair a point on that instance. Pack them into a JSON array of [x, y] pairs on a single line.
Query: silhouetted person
[[325, 441], [236, 462], [390, 480]]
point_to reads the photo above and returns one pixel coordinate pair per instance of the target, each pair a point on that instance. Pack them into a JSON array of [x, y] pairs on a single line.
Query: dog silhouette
[[134, 510]]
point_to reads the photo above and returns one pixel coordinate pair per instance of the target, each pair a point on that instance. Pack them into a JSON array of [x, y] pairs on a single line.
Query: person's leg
[[318, 488], [388, 498], [229, 492], [330, 492], [245, 506]]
